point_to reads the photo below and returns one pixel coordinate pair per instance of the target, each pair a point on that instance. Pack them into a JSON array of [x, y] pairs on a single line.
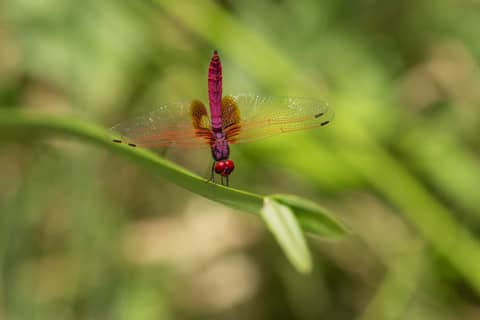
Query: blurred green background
[[87, 235]]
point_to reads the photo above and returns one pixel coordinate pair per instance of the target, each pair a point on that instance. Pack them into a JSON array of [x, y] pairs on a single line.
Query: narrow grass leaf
[[28, 126], [282, 222], [315, 219]]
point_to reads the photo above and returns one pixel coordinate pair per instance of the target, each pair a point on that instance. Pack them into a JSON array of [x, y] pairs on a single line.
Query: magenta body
[[220, 148], [215, 92]]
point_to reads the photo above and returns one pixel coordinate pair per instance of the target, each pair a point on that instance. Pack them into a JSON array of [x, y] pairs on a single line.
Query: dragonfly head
[[224, 167]]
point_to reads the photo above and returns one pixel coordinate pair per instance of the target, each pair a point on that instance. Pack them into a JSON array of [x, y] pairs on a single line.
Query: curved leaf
[[285, 215], [281, 221]]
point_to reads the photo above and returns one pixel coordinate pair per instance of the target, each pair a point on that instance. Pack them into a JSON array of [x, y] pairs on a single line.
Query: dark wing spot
[[117, 141], [132, 144], [318, 115], [324, 123]]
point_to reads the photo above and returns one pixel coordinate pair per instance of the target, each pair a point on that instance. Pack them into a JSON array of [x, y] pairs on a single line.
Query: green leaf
[[294, 212], [281, 221], [313, 217]]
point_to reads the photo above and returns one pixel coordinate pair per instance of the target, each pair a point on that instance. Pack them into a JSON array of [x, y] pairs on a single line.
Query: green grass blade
[[15, 124], [281, 221], [313, 216]]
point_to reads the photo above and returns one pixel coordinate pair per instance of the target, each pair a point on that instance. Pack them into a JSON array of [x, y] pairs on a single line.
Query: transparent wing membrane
[[245, 118], [185, 125], [262, 117]]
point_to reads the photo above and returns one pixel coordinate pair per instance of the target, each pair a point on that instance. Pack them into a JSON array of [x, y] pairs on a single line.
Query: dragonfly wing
[[184, 125], [230, 118], [261, 117]]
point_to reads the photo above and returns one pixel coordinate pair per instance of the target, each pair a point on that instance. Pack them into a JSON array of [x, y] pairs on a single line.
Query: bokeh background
[[88, 235]]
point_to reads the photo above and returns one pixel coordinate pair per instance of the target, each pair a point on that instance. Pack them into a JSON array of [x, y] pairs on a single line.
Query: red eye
[[220, 167], [229, 165]]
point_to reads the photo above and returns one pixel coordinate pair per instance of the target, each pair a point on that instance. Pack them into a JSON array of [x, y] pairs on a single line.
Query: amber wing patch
[[200, 120], [230, 118]]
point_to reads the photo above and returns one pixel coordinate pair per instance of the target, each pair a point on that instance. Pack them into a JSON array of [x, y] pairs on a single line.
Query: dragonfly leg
[[227, 181], [212, 173]]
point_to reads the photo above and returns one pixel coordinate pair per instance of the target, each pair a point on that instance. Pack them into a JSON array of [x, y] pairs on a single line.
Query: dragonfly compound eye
[[220, 167], [229, 166]]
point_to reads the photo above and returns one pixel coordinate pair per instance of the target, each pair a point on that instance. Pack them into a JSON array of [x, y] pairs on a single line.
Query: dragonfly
[[233, 119]]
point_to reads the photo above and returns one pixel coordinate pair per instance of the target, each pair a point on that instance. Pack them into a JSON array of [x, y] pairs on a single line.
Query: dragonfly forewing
[[170, 125], [262, 117]]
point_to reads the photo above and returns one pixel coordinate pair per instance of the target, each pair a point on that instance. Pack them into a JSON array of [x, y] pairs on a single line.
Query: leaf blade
[[281, 221], [313, 218]]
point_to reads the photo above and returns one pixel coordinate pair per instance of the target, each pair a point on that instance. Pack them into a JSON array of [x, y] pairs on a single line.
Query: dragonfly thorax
[[220, 148]]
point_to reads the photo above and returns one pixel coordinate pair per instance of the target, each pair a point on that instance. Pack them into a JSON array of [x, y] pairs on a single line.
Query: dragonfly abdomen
[[215, 91]]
